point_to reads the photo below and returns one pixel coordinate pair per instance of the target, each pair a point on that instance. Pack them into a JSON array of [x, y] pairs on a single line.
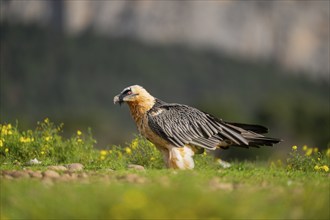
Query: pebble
[[135, 167], [19, 174], [75, 167], [82, 175], [51, 174], [66, 177], [57, 168], [73, 176], [35, 174]]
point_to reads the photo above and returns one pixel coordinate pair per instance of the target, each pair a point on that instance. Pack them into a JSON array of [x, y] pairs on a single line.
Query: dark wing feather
[[181, 124], [255, 128]]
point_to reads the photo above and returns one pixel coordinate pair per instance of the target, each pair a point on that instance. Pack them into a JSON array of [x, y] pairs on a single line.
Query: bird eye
[[127, 91]]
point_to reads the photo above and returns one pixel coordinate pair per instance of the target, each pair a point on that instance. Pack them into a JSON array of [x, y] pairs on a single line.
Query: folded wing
[[181, 125]]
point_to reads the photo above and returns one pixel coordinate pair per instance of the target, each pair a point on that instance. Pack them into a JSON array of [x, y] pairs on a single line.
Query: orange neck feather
[[140, 106]]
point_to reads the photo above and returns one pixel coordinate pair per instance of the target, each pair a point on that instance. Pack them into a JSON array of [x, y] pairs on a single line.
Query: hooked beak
[[118, 99]]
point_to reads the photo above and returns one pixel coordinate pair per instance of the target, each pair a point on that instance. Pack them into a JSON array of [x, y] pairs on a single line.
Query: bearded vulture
[[180, 131]]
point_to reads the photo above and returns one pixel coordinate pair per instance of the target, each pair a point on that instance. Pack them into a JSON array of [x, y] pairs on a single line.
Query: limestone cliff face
[[292, 33]]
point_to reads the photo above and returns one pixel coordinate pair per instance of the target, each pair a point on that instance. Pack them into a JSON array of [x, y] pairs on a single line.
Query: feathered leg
[[181, 158]]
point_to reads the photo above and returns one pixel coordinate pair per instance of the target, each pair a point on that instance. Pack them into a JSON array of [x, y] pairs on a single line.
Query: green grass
[[294, 188], [249, 193]]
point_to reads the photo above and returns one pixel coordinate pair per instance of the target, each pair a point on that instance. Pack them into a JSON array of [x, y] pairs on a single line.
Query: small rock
[[5, 172], [35, 174], [51, 174], [66, 177], [73, 176], [135, 167], [75, 167], [57, 168], [82, 175], [20, 174]]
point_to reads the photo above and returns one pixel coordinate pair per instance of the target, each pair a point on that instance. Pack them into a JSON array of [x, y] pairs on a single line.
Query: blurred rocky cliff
[[294, 34]]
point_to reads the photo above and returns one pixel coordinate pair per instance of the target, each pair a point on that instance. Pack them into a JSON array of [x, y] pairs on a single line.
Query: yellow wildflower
[[316, 167], [1, 143], [152, 159], [6, 150], [26, 139], [48, 138], [305, 148], [79, 140], [42, 152], [79, 132], [46, 120], [128, 150], [309, 152], [103, 152], [328, 152], [294, 147], [325, 168], [6, 129], [102, 157], [134, 143]]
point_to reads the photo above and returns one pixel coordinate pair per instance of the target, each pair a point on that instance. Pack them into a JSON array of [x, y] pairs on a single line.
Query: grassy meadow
[[107, 187]]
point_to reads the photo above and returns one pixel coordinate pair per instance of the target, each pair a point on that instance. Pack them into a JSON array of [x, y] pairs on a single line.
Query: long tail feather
[[255, 128], [253, 134]]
